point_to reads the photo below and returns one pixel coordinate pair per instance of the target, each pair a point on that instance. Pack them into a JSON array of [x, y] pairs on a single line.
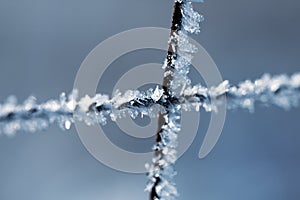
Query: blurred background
[[43, 43]]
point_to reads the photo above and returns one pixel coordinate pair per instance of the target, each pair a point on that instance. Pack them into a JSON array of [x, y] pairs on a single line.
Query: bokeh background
[[42, 44]]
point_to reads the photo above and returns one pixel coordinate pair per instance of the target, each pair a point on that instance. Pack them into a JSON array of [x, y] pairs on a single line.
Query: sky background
[[42, 45]]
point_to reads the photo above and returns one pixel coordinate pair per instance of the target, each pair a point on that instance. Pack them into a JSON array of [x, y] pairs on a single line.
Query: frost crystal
[[191, 19], [157, 94]]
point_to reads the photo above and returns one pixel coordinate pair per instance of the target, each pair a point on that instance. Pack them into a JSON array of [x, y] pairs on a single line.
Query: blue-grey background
[[42, 44]]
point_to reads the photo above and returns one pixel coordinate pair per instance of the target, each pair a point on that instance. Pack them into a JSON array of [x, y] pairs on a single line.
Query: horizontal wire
[[281, 90]]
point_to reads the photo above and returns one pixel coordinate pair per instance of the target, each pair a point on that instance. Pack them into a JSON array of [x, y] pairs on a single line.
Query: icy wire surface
[[160, 171], [281, 90], [181, 46]]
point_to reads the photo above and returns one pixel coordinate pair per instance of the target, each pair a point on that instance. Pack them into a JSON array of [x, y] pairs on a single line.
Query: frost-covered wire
[[177, 64], [281, 90]]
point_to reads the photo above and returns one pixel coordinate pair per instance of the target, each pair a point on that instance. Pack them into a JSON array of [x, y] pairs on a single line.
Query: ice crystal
[[157, 94], [191, 19]]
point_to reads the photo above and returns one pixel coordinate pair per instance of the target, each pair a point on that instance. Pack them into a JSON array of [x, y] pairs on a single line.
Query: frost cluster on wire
[[161, 171], [176, 66], [281, 90], [184, 50]]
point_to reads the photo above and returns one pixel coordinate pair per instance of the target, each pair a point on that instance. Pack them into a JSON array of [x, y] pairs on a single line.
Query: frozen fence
[[175, 95]]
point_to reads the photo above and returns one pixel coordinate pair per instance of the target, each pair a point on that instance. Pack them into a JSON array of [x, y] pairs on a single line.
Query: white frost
[[281, 90], [157, 94]]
